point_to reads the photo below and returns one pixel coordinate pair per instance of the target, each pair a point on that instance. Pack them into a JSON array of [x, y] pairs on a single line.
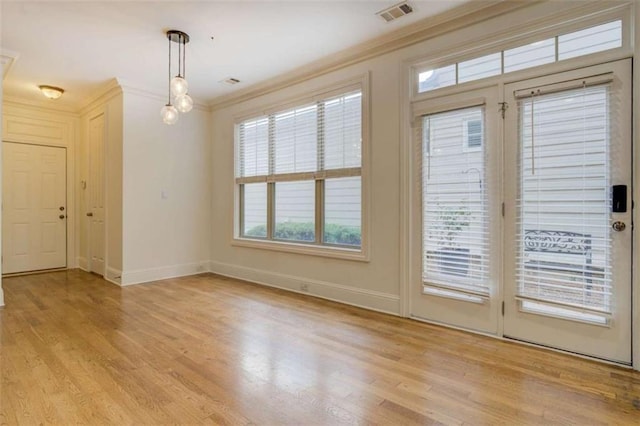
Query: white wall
[[166, 191], [377, 284]]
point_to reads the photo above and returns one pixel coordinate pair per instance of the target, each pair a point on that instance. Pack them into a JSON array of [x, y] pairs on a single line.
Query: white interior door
[[458, 212], [34, 225], [568, 258], [95, 187]]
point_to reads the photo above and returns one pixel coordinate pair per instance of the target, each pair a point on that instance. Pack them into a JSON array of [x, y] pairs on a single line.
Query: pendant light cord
[[184, 62], [169, 84], [179, 55]]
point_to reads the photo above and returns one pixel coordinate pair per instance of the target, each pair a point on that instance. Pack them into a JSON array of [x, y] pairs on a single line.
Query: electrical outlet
[[304, 287]]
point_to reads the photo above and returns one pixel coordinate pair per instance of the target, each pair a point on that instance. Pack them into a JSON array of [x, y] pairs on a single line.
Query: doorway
[[34, 220], [526, 230]]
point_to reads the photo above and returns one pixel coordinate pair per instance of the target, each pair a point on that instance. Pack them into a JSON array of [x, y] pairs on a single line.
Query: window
[[565, 46], [298, 173], [455, 209], [472, 134]]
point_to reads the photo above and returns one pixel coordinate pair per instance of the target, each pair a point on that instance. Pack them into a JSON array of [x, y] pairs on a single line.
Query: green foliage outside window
[[305, 231]]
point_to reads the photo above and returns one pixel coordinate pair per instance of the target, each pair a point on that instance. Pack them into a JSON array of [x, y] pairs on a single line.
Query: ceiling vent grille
[[395, 12], [230, 80]]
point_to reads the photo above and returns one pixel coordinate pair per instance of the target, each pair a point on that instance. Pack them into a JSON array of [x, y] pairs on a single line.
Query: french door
[[568, 211], [526, 218]]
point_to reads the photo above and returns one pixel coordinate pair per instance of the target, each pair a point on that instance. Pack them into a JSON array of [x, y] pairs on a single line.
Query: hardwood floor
[[212, 350]]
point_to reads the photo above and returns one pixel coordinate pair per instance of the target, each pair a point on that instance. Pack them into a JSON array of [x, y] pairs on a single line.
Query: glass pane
[[254, 148], [254, 203], [475, 69], [342, 211], [564, 202], [591, 40], [342, 124], [296, 140], [434, 79], [455, 210], [295, 211], [531, 55]]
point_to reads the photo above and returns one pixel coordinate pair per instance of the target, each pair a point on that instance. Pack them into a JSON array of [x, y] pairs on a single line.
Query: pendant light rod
[[169, 80]]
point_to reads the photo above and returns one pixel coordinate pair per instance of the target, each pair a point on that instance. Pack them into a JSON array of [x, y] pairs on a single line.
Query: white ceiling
[[81, 45]]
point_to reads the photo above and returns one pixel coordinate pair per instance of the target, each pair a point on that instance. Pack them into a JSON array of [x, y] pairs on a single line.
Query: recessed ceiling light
[[51, 92]]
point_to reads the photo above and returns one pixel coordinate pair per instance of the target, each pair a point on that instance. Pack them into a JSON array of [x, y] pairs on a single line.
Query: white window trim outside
[[361, 83]]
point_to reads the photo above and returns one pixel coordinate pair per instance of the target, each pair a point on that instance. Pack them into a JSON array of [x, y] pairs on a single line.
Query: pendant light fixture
[[178, 85]]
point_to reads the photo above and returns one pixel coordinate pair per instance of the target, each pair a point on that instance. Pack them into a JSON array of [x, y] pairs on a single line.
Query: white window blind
[[564, 202], [254, 148], [454, 203], [299, 173]]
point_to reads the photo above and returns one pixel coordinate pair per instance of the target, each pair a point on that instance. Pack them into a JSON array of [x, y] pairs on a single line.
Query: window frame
[[318, 247], [515, 37]]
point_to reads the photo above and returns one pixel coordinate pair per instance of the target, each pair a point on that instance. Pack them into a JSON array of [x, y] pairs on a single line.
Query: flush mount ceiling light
[[51, 92], [178, 85]]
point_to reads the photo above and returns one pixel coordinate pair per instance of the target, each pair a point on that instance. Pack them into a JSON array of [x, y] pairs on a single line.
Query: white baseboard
[[113, 275], [82, 263], [154, 274], [368, 299]]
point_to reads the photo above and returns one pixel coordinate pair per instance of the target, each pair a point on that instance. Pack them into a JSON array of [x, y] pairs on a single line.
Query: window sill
[[305, 249]]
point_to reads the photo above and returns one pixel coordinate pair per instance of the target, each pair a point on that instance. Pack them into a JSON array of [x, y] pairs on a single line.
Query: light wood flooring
[[210, 350]]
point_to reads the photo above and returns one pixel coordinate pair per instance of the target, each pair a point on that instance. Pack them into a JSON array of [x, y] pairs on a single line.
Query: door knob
[[618, 226], [90, 214], [62, 216], [61, 208]]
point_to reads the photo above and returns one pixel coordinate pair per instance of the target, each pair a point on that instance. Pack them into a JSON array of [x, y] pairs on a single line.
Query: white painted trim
[[154, 274], [101, 97], [367, 299], [82, 263], [454, 19], [1, 297], [129, 87], [113, 275], [45, 106], [635, 267]]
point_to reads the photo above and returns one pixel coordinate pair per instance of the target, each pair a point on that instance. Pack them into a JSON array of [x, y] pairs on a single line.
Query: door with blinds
[[459, 210], [568, 165]]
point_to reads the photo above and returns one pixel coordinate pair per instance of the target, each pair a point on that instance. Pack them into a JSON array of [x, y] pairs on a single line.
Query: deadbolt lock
[[618, 226]]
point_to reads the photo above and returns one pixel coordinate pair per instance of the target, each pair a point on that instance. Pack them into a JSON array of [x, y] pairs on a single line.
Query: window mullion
[[320, 182], [241, 208], [271, 186], [271, 203], [319, 229]]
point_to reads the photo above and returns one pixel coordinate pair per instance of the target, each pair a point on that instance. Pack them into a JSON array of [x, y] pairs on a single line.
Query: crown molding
[[109, 90], [42, 106], [7, 59], [459, 17], [154, 93]]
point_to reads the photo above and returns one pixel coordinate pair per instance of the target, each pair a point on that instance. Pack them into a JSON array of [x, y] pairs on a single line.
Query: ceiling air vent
[[395, 11], [230, 80]]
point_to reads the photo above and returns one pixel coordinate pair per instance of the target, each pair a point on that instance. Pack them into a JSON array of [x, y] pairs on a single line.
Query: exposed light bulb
[[179, 86], [169, 114], [184, 103]]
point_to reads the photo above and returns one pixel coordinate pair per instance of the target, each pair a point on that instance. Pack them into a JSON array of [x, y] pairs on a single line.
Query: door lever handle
[[90, 214]]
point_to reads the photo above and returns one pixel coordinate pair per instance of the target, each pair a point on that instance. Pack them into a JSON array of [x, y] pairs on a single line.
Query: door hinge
[[502, 308], [502, 209], [503, 108]]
